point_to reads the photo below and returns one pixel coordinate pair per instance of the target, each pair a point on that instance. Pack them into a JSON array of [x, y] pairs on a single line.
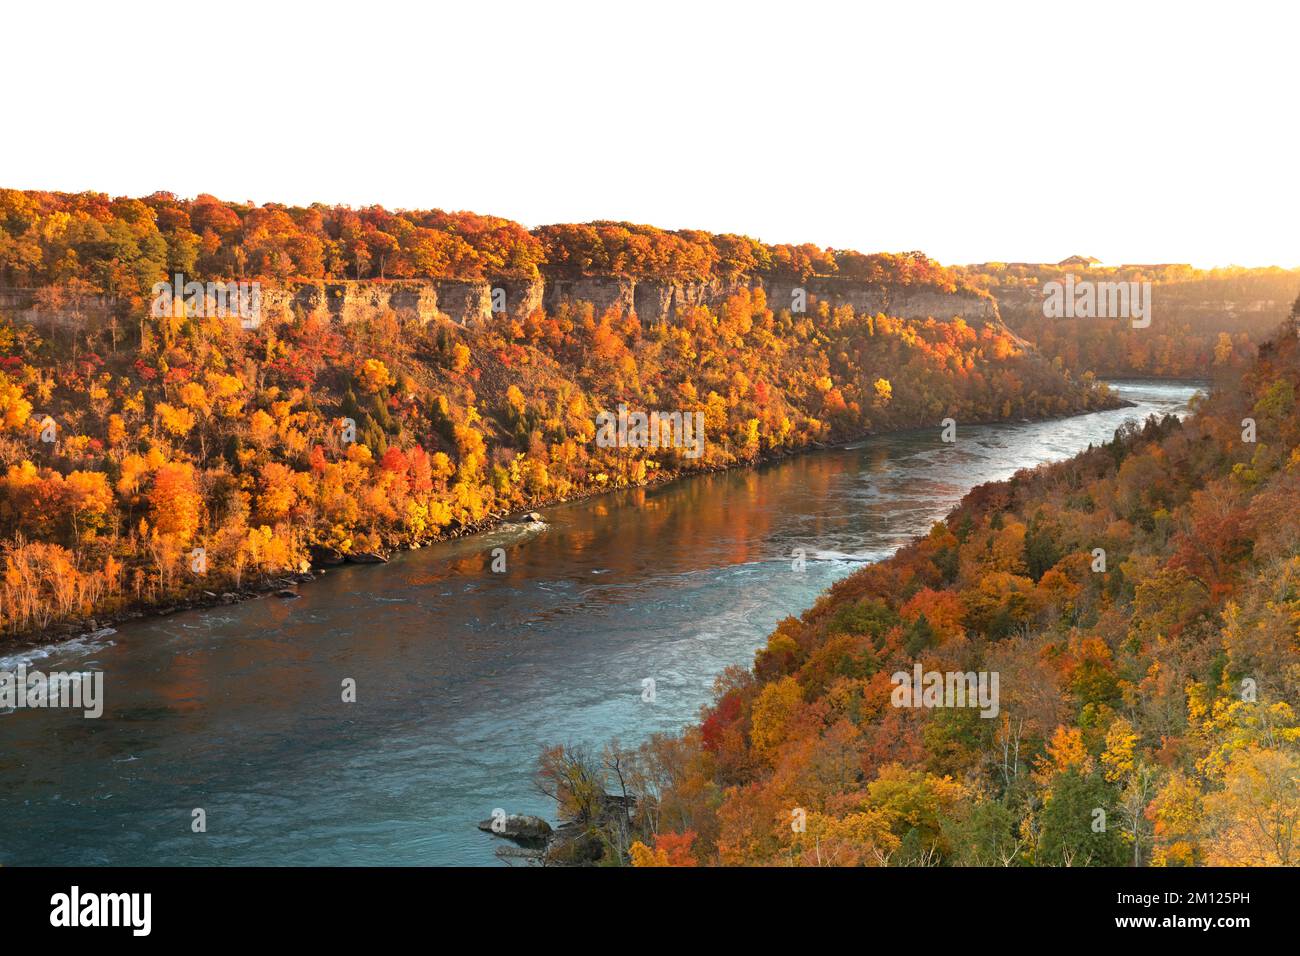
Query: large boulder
[[324, 556], [518, 826]]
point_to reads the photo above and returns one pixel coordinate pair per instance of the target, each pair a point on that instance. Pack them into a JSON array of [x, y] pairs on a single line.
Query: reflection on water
[[463, 675]]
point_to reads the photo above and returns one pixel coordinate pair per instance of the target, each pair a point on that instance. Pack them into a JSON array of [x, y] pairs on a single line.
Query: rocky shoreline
[[571, 843]]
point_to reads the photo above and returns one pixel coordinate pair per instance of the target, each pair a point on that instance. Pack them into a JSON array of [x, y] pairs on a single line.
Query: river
[[463, 674]]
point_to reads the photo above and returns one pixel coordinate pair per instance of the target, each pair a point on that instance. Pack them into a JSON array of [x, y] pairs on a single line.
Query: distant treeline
[[122, 246]]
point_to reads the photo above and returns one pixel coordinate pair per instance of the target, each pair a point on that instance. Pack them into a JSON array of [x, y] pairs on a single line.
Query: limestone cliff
[[653, 300], [472, 302]]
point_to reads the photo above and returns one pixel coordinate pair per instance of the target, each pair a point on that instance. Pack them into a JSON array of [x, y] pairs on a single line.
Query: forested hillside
[[1140, 604], [152, 461]]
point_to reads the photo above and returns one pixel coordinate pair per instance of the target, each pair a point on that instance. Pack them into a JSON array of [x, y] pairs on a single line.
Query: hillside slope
[[1139, 607], [152, 462]]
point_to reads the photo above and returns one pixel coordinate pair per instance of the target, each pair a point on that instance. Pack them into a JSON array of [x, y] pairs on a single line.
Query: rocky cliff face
[[353, 301], [658, 300], [654, 301]]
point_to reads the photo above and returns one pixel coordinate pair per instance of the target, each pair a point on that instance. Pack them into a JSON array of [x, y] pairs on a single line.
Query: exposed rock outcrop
[[659, 300], [472, 302]]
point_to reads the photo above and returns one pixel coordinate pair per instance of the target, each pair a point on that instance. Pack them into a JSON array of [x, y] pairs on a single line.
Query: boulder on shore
[[324, 556], [517, 826]]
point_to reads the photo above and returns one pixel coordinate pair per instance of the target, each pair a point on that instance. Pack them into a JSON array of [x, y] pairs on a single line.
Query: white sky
[[1129, 131]]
